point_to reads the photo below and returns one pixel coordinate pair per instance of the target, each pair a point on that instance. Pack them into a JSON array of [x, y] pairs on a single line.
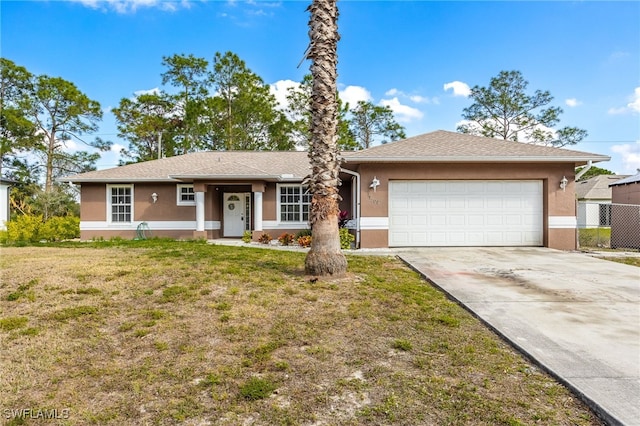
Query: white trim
[[274, 224], [303, 189], [563, 222], [109, 213], [199, 197], [373, 223], [154, 225], [257, 211], [179, 201]]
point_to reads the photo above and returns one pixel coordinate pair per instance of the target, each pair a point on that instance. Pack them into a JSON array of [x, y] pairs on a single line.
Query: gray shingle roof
[[443, 146], [596, 187], [631, 179], [228, 165], [439, 146]]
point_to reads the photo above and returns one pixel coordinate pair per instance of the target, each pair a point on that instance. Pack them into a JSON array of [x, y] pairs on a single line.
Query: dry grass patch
[[163, 332]]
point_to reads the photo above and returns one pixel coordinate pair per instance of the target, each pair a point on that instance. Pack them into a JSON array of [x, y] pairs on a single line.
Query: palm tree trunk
[[325, 256]]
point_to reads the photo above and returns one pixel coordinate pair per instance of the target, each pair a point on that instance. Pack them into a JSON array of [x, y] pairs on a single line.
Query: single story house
[[626, 190], [437, 189], [5, 191], [625, 214], [594, 200]]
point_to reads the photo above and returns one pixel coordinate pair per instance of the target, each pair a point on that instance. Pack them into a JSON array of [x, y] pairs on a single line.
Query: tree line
[[217, 105], [221, 105]]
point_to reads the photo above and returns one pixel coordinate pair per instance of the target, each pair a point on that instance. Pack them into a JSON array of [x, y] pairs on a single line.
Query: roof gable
[[596, 187]]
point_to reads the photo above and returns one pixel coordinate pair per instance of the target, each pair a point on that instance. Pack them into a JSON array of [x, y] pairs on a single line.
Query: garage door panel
[[459, 213]]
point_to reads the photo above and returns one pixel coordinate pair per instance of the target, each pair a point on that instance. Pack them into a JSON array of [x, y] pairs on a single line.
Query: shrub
[[304, 241], [60, 228], [286, 239], [31, 228], [247, 236], [346, 238], [303, 233], [265, 238], [24, 228]]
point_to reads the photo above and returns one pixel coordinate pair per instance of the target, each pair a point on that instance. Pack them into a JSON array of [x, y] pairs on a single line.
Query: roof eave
[[70, 179], [476, 159], [270, 178]]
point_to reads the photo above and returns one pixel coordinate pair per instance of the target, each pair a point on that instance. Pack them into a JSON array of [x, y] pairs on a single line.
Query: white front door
[[234, 214]]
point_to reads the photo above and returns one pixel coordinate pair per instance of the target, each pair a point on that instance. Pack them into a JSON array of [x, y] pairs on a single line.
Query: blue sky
[[417, 57]]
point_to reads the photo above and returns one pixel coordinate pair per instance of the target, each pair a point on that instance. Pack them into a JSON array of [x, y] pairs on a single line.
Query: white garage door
[[465, 213]]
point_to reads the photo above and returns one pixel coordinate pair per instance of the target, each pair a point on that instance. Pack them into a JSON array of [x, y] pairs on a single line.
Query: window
[[294, 202], [120, 203], [605, 215], [186, 195]]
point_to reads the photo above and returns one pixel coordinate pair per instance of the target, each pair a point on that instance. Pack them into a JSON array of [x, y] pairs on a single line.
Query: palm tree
[[325, 256]]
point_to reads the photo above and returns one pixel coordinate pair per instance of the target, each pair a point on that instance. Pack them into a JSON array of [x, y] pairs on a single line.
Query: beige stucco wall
[[556, 202], [93, 207]]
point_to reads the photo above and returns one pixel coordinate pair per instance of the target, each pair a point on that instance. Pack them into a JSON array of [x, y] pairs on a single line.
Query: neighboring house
[[5, 190], [594, 200], [626, 190], [625, 215], [437, 189]]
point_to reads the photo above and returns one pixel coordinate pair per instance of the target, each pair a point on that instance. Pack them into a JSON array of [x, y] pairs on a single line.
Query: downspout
[[357, 177], [584, 170]]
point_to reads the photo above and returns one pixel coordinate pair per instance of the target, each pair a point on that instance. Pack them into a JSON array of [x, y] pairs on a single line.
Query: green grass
[[594, 237], [163, 332]]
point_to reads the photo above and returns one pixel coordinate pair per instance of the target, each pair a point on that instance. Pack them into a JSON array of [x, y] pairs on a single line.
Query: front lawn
[[158, 332]]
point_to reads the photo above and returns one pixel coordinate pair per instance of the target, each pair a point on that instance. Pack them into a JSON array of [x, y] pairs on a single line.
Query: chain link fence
[[608, 225]]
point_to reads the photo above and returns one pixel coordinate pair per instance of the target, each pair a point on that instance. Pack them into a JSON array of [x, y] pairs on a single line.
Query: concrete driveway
[[577, 316]]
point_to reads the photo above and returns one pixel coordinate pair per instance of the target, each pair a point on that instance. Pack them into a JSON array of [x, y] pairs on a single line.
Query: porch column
[[257, 211], [199, 211]]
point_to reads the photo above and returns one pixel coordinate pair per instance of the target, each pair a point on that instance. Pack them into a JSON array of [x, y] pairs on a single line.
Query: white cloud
[[116, 147], [572, 102], [630, 156], [632, 107], [280, 89], [131, 6], [418, 99], [403, 113], [154, 91], [459, 88], [353, 94], [617, 111]]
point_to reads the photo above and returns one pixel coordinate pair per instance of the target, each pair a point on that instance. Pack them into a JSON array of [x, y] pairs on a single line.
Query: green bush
[[247, 236], [303, 233], [25, 228], [31, 229], [61, 228], [346, 238]]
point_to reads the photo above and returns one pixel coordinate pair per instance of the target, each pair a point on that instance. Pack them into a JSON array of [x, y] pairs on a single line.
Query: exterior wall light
[[374, 183], [154, 196], [563, 183]]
